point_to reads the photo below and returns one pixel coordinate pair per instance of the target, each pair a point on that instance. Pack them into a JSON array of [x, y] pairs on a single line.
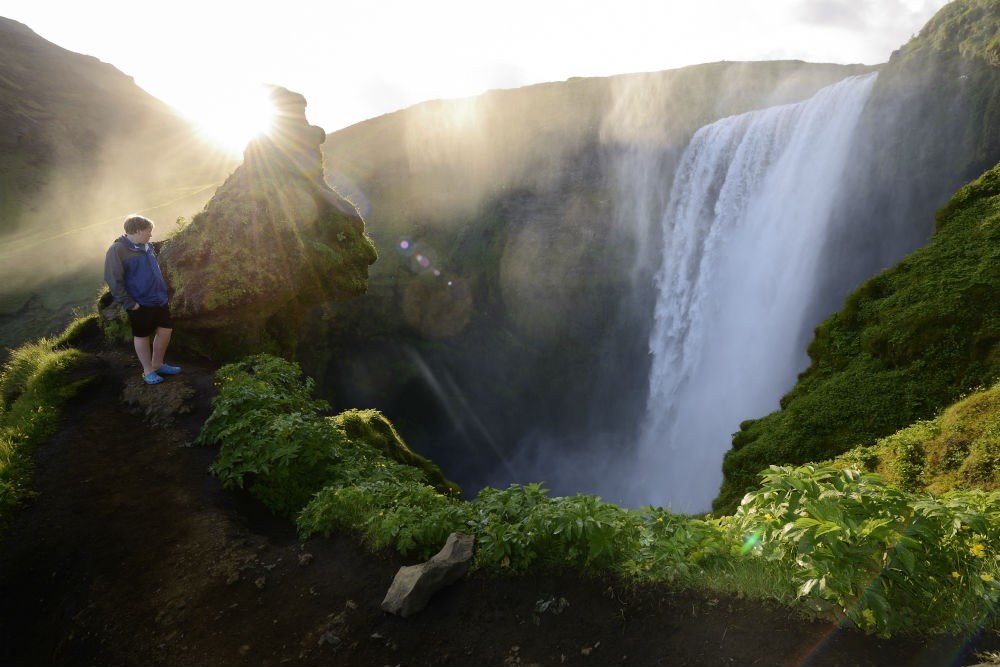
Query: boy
[[134, 279]]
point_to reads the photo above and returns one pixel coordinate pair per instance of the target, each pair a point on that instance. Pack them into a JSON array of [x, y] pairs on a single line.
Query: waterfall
[[743, 232]]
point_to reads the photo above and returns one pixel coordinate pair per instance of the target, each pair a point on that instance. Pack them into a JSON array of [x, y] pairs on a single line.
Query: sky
[[357, 59]]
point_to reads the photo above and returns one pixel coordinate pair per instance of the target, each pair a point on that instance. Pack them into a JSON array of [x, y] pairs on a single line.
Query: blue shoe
[[152, 378], [167, 369]]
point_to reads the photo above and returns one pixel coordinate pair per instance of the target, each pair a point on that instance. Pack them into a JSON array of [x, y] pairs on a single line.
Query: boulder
[[274, 241], [414, 585]]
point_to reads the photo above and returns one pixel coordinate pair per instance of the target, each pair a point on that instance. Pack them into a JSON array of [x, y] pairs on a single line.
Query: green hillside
[[958, 449], [908, 343]]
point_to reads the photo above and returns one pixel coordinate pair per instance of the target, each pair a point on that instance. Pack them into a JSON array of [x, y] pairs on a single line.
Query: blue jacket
[[133, 275]]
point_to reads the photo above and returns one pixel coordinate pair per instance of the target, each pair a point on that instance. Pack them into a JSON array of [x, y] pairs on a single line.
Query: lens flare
[[232, 118]]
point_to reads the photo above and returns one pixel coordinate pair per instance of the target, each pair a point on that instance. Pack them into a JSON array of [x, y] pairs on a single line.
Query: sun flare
[[232, 120]]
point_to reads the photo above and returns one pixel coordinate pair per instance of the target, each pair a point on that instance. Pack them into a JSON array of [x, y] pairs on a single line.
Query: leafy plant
[[890, 561]]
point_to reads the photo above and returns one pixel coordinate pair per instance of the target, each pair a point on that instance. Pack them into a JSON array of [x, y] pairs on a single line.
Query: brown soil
[[132, 554]]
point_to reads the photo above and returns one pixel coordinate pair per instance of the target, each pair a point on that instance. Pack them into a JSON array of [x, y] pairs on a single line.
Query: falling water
[[744, 228]]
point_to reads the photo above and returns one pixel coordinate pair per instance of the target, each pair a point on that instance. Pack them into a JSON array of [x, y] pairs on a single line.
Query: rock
[[414, 585], [329, 638], [274, 240]]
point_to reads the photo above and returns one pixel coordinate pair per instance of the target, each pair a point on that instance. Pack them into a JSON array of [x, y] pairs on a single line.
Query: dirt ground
[[132, 554]]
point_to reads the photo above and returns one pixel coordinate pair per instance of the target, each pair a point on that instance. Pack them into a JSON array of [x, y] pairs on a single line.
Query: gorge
[[745, 222], [546, 205], [507, 323]]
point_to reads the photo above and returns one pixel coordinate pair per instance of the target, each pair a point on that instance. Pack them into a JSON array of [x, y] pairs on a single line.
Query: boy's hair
[[137, 223]]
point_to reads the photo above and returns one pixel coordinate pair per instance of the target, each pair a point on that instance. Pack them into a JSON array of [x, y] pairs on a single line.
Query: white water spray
[[743, 230]]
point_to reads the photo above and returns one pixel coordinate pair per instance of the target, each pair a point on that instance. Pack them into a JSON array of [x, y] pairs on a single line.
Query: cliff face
[[536, 203], [273, 241], [932, 125]]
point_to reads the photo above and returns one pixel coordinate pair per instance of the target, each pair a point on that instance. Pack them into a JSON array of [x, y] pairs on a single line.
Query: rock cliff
[[273, 241]]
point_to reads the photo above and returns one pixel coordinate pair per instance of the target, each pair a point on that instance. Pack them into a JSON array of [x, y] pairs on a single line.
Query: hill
[[81, 146]]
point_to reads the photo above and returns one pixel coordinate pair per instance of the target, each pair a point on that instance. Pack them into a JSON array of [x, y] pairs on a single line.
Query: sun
[[232, 119]]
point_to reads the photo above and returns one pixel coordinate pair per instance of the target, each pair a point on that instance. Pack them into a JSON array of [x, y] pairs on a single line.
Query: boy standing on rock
[[134, 279]]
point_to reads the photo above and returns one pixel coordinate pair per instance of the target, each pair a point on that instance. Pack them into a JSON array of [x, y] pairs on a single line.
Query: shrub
[[273, 436], [890, 561], [276, 440]]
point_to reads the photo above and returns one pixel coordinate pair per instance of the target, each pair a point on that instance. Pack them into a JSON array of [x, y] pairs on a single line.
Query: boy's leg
[[142, 350], [160, 342]]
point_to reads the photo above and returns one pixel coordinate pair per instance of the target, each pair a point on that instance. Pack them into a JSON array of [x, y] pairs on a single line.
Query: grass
[[34, 385], [957, 449]]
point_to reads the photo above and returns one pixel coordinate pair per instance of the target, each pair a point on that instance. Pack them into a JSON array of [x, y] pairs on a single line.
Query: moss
[[373, 429], [35, 383]]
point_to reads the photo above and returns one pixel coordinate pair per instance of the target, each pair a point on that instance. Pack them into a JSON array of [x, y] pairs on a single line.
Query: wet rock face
[[273, 241]]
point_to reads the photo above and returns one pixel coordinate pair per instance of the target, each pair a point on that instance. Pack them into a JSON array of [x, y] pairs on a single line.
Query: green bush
[[276, 440], [892, 562]]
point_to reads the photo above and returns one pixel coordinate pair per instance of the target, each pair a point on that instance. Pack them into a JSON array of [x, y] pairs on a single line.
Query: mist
[[52, 252]]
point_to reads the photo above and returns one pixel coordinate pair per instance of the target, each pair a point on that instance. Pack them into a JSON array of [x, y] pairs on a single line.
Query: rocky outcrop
[[273, 241]]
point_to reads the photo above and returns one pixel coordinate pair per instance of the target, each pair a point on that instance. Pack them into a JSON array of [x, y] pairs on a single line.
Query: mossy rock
[[372, 428]]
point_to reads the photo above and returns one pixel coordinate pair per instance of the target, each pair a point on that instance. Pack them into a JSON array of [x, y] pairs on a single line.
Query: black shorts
[[145, 320]]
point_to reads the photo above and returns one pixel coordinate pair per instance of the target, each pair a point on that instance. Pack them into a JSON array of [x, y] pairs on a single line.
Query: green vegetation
[[958, 449], [277, 443], [35, 383], [951, 68], [892, 561], [906, 344], [830, 542]]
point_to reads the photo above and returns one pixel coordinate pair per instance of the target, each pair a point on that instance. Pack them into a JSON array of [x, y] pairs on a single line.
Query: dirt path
[[131, 554]]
